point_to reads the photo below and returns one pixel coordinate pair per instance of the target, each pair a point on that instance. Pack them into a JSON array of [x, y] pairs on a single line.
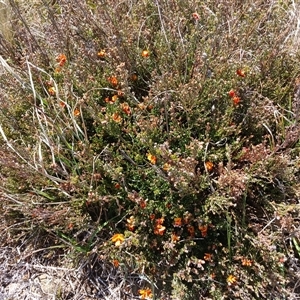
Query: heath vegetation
[[158, 140]]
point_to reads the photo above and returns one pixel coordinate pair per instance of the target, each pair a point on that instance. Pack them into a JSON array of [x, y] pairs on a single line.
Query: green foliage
[[170, 126]]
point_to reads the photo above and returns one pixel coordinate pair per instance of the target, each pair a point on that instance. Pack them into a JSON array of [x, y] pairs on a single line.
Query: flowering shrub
[[166, 144]]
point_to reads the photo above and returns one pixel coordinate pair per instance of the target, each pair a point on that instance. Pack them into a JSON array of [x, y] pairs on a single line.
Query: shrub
[[161, 136]]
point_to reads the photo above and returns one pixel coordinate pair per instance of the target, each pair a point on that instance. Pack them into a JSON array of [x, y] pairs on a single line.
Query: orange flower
[[196, 16], [145, 294], [61, 59], [145, 53], [143, 204], [159, 229], [203, 229], [126, 108], [118, 239], [240, 72], [133, 77], [166, 166], [209, 166], [177, 222], [131, 223], [231, 280], [151, 158], [236, 100], [175, 238], [246, 262], [117, 185], [191, 230], [208, 256], [62, 104], [160, 221], [113, 80], [116, 263], [76, 112], [116, 117], [120, 93], [102, 53], [152, 217], [52, 91], [231, 93]]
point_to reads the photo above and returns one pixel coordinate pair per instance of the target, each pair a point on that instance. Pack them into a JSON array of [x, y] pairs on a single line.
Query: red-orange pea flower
[[159, 229], [240, 72], [116, 263], [151, 158], [61, 59], [203, 229], [231, 93], [208, 256], [126, 108], [175, 238], [196, 16], [209, 166], [143, 204], [236, 100], [246, 262], [76, 112], [152, 217], [191, 230], [113, 80], [116, 117], [177, 222]]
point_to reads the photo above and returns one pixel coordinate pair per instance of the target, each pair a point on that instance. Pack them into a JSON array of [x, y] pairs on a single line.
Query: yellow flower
[[231, 280], [52, 91], [145, 293], [114, 98], [145, 53], [166, 166], [151, 158], [118, 239], [102, 53]]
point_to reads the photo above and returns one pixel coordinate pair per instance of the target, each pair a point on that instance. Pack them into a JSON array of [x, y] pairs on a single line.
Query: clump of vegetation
[[160, 138]]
